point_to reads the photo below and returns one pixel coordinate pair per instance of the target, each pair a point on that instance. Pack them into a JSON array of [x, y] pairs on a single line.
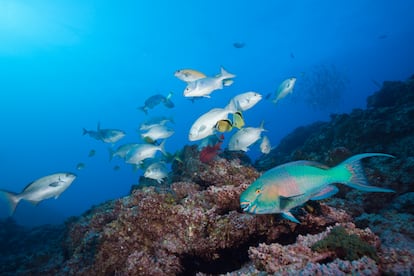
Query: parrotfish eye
[[258, 191]]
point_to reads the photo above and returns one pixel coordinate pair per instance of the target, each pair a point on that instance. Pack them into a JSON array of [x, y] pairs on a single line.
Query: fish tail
[[353, 175], [111, 154], [85, 131], [162, 148], [225, 75], [12, 200], [144, 109]]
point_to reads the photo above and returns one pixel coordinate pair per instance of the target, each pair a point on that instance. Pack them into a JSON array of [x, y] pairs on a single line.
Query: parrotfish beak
[[245, 205]]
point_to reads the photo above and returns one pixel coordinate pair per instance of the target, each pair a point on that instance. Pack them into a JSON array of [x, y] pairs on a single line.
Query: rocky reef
[[194, 225]]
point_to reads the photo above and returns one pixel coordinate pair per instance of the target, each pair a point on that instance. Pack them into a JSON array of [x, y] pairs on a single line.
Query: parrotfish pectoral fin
[[285, 201], [12, 200], [357, 179], [325, 193], [289, 216]]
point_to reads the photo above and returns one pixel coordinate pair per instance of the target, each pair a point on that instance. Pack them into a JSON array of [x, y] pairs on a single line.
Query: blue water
[[67, 65]]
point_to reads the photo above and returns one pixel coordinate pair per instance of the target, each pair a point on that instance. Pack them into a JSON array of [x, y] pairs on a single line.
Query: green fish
[[292, 184]]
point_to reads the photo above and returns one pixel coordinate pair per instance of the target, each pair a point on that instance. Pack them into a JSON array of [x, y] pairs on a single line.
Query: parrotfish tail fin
[[162, 148], [358, 180], [12, 200], [225, 75], [289, 216], [85, 131]]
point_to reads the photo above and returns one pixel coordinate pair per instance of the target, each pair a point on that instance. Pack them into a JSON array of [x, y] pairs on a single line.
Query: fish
[[91, 153], [189, 75], [137, 154], [153, 101], [224, 125], [116, 168], [239, 45], [80, 166], [105, 135], [205, 125], [121, 151], [157, 171], [265, 147], [205, 86], [161, 120], [43, 188], [284, 89], [289, 185], [238, 121], [244, 101], [157, 132], [209, 152], [245, 137]]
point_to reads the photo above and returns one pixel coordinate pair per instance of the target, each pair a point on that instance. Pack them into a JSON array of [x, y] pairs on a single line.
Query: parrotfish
[[292, 184]]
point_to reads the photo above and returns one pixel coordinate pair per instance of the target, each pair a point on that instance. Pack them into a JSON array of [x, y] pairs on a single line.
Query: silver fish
[[139, 153], [43, 188], [245, 137], [105, 135], [157, 171]]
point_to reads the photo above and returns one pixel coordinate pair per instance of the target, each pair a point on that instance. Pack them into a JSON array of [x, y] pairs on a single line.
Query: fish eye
[[258, 191]]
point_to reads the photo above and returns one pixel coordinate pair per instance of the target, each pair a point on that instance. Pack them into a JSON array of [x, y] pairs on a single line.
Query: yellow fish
[[224, 126], [238, 120]]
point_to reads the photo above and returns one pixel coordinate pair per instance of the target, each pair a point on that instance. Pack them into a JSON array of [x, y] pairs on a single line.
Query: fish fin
[[226, 75], [143, 109], [357, 179], [285, 200], [111, 153], [55, 184], [35, 202], [325, 193], [161, 147], [169, 95], [289, 216], [12, 200], [85, 131]]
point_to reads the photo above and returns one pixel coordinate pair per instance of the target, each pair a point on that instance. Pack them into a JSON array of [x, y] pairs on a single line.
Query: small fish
[[205, 86], [238, 121], [204, 126], [157, 171], [265, 145], [284, 89], [91, 153], [140, 152], [244, 101], [228, 82], [189, 75], [157, 132], [287, 186], [155, 100], [105, 135], [80, 166], [43, 188], [245, 137], [116, 168], [224, 125], [239, 45]]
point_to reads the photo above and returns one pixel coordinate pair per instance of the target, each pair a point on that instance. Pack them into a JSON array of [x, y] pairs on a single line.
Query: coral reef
[[194, 224]]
